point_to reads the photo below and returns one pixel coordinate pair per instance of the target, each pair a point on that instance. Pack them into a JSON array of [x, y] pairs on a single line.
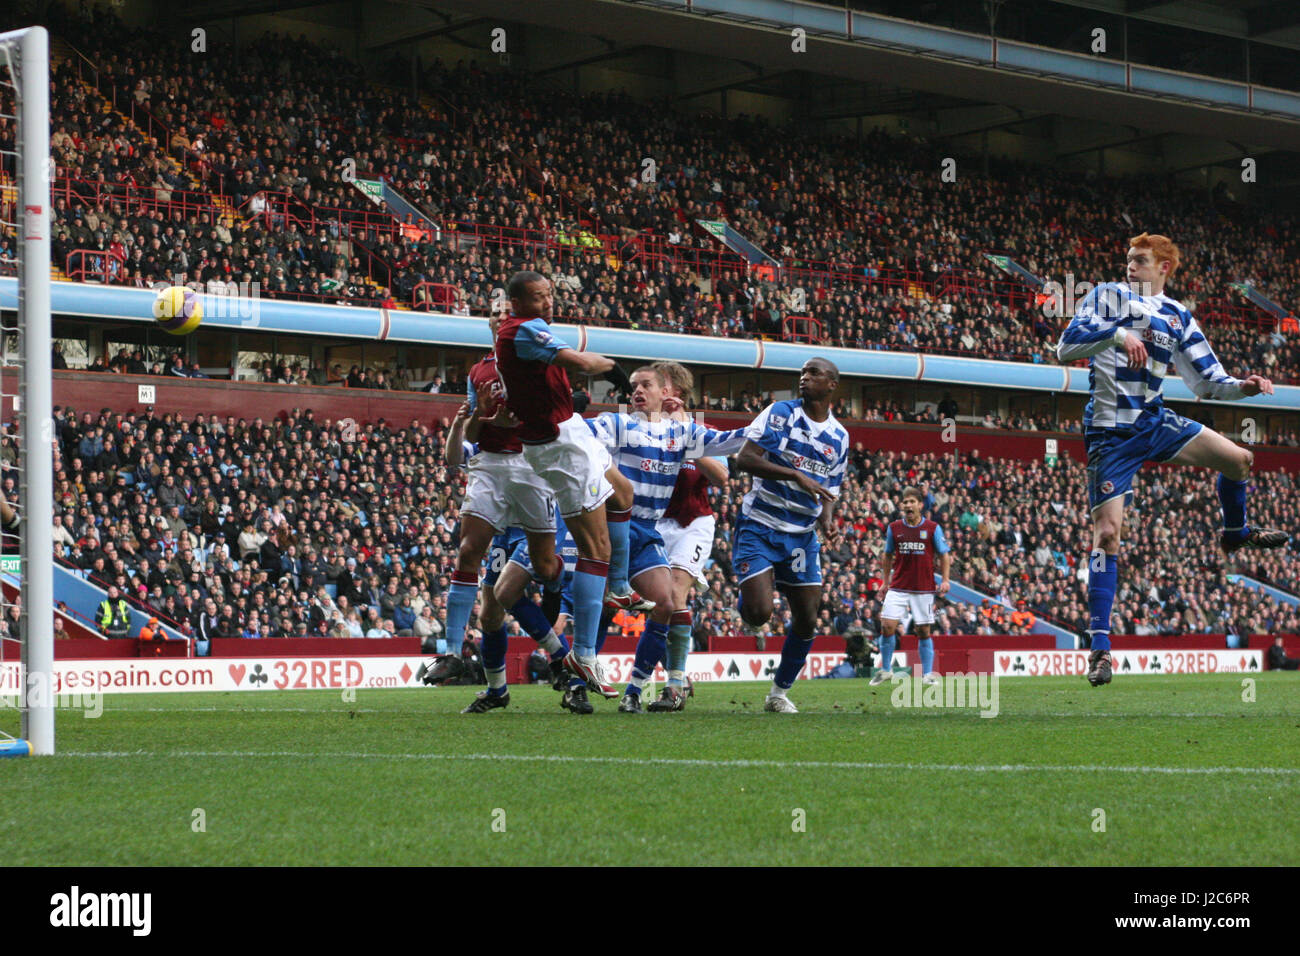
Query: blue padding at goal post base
[[15, 748]]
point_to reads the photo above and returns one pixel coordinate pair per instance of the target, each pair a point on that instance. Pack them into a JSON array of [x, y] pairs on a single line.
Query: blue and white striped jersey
[[1120, 395], [650, 454], [790, 438]]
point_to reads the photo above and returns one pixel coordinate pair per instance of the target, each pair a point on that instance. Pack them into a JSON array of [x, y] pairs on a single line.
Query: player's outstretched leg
[[1209, 449]]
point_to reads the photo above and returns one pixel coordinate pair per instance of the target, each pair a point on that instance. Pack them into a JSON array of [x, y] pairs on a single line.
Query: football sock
[[494, 660], [1232, 496], [793, 654], [588, 601], [679, 647], [460, 602], [926, 648], [650, 650], [554, 644], [887, 645], [531, 619], [1101, 596], [619, 526]]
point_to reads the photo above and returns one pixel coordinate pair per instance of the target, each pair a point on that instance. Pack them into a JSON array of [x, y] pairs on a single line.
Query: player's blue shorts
[[645, 549], [795, 559], [568, 551], [1114, 457], [503, 545]]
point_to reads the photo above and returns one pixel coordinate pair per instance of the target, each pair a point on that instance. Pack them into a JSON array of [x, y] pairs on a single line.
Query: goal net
[[26, 400]]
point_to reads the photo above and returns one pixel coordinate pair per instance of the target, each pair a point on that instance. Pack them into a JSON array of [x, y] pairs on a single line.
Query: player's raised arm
[[1200, 369], [454, 453], [535, 342], [1098, 325], [705, 442]]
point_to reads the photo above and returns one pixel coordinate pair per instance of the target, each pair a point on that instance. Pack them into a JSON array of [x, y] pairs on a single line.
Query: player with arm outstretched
[[797, 453], [911, 544], [560, 449], [1132, 332], [649, 448]]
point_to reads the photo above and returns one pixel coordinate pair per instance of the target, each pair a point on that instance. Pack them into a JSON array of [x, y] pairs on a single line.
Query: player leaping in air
[[558, 447], [796, 452], [1133, 332], [504, 500]]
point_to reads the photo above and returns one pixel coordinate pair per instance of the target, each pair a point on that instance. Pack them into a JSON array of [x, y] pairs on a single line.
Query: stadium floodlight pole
[[31, 73]]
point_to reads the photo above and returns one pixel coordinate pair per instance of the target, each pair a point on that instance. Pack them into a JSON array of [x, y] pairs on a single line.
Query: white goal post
[[25, 74]]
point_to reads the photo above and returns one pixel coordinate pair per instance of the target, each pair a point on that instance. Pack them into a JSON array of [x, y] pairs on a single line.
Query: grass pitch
[[1184, 770]]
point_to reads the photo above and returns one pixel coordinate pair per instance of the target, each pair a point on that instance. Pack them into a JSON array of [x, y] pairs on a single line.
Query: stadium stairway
[[83, 598], [72, 625], [1065, 640], [67, 51], [1277, 594]]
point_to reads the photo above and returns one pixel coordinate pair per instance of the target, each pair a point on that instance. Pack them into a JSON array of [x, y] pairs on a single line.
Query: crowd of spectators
[[502, 148], [281, 528]]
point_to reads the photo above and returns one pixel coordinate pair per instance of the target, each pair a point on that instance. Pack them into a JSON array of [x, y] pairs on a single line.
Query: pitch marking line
[[711, 764]]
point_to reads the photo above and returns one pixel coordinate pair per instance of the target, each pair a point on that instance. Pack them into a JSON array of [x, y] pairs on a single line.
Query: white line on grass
[[709, 764]]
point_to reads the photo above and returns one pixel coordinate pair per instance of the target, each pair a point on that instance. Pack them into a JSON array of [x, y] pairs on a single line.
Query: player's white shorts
[[688, 548], [898, 604], [573, 467], [506, 493]]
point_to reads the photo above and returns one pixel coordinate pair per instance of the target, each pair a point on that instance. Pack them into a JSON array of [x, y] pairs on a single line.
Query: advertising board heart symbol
[[755, 666], [1142, 662], [1004, 661], [237, 673]]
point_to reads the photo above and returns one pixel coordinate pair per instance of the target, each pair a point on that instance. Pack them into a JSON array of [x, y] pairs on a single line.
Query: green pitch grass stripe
[[709, 764]]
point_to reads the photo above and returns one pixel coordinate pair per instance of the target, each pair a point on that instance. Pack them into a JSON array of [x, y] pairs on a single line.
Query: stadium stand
[[522, 175]]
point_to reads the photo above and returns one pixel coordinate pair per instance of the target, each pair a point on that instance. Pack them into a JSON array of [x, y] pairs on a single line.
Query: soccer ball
[[178, 310]]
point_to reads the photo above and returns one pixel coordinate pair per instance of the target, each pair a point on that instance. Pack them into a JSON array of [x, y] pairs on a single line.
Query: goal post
[[25, 66]]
